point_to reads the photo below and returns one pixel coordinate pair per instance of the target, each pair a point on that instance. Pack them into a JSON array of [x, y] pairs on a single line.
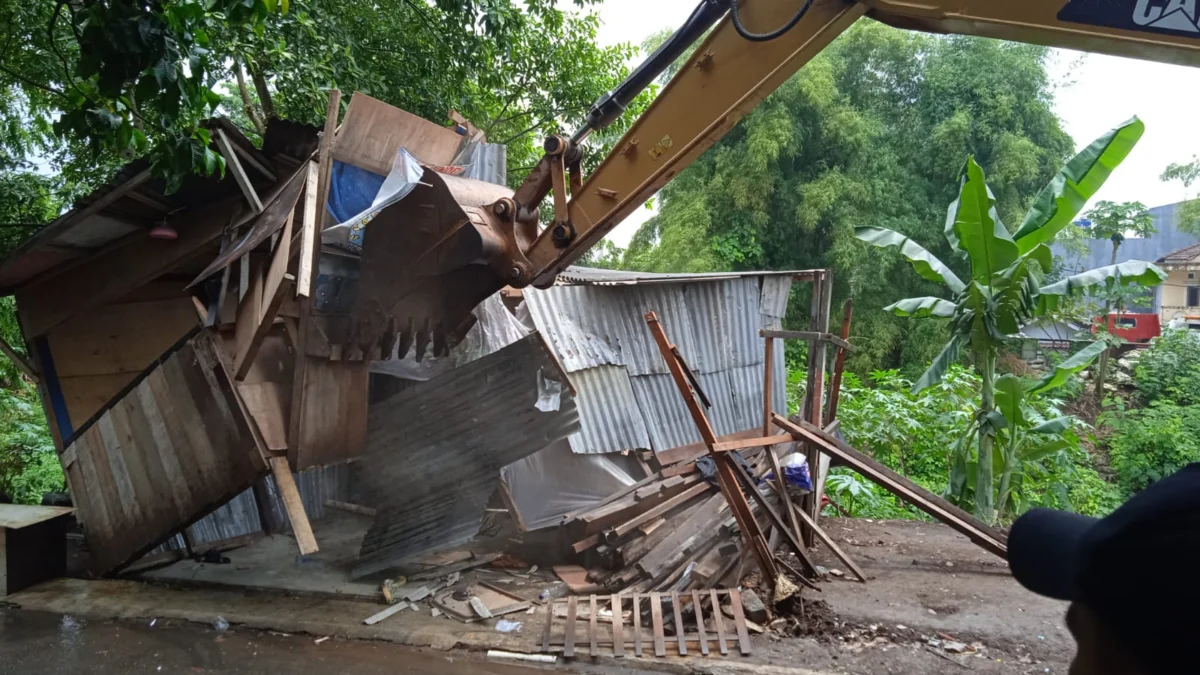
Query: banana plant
[[1006, 288]]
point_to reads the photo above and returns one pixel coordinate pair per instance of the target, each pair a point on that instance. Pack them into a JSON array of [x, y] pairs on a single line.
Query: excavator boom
[[752, 47]]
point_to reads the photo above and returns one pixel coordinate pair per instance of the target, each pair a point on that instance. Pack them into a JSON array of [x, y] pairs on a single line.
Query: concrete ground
[[925, 583]]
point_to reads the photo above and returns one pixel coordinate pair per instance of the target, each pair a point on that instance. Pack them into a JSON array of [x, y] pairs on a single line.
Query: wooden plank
[[239, 174], [592, 627], [373, 131], [549, 625], [743, 443], [297, 450], [637, 625], [383, 614], [698, 610], [692, 451], [119, 337], [292, 503], [656, 512], [809, 336], [768, 378], [175, 479], [249, 312], [656, 619], [18, 360], [618, 627], [135, 264], [115, 452], [569, 630], [333, 423], [739, 621], [245, 359], [309, 238], [680, 633], [17, 516], [839, 364], [828, 541], [903, 488]]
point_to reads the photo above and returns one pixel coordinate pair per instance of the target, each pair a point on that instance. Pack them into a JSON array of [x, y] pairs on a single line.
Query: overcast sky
[[1092, 94]]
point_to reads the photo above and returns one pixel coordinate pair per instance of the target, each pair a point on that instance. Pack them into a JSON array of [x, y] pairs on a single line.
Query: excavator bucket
[[428, 260]]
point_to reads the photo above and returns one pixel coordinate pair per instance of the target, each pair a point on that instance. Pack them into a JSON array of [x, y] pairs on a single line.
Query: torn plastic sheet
[[549, 393], [349, 187], [553, 482], [495, 328]]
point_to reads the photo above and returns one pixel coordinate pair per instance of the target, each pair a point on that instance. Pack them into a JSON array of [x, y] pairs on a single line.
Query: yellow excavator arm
[[752, 47]]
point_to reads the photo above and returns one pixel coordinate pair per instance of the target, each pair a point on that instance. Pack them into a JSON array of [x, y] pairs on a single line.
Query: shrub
[[1170, 369], [1152, 443]]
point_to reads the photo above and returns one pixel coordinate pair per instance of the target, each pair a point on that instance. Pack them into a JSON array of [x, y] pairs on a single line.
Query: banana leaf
[[1061, 200], [922, 307], [1054, 426], [1132, 271], [925, 263], [973, 226], [937, 369], [1032, 453], [1010, 399], [1063, 371]]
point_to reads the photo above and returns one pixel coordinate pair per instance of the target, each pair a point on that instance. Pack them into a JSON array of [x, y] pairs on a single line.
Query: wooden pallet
[[606, 616]]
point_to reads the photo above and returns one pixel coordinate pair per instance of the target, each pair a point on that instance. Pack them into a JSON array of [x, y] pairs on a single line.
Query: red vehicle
[[1134, 327]]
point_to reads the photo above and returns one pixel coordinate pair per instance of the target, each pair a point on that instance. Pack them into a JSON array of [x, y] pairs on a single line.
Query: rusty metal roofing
[[600, 277], [599, 335], [435, 449]]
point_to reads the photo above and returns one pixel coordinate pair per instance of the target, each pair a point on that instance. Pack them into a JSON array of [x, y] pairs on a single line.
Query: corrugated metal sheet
[[597, 277], [667, 418], [714, 321], [484, 161], [434, 450], [240, 515], [609, 418], [550, 484]]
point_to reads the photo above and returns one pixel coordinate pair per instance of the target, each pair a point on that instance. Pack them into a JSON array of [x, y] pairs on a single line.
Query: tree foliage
[[94, 83], [870, 133], [1004, 291]]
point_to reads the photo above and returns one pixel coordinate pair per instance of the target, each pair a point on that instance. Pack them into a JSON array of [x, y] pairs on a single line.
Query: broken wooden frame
[[688, 611]]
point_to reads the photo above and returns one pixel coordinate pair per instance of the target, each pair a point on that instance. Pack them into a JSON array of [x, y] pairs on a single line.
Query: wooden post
[[768, 384], [819, 317], [726, 478], [294, 506], [20, 362], [239, 174], [839, 364]]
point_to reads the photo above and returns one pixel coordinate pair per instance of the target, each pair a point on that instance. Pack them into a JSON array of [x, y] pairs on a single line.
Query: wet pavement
[[39, 643]]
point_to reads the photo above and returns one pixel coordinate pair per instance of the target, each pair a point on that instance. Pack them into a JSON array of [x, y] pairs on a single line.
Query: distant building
[[1179, 295], [1166, 241]]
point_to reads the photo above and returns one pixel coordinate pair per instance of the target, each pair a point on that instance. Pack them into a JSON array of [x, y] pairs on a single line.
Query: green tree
[[1114, 222], [1188, 214], [1003, 292], [862, 135], [91, 85]]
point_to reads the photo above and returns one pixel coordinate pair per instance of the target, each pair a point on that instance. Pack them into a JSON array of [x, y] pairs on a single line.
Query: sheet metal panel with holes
[[434, 450], [593, 321], [168, 450]]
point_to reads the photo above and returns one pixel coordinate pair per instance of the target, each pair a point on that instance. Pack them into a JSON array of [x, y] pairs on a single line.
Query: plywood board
[[333, 421], [372, 131], [16, 516]]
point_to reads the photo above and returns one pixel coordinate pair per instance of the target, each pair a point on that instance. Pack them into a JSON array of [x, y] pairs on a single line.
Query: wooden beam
[[18, 360], [839, 364], [239, 174], [309, 238], [828, 541], [255, 163], [743, 443], [821, 297], [791, 536], [726, 478], [808, 335], [294, 506], [102, 279], [768, 377], [942, 510], [311, 247], [275, 286]]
